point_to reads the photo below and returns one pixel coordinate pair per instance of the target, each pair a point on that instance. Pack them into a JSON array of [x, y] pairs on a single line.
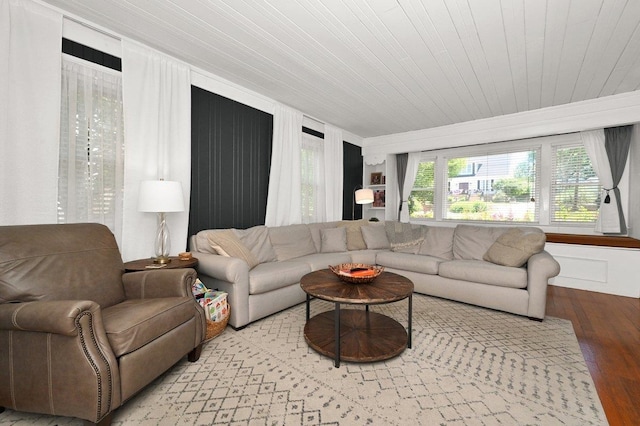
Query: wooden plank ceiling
[[376, 67]]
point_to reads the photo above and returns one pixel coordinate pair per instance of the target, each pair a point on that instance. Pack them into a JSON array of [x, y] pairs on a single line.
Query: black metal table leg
[[308, 308], [409, 322], [337, 336]]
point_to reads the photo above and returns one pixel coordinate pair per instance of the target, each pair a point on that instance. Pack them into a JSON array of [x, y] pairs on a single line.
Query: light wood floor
[[608, 330]]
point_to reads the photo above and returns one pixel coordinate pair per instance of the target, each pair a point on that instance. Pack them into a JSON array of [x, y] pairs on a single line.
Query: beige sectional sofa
[[261, 267]]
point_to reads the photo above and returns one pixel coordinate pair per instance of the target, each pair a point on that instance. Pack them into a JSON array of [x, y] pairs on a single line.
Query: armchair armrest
[[159, 283], [58, 317], [57, 350]]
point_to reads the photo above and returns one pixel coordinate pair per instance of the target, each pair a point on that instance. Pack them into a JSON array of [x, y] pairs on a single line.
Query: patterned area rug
[[468, 366]]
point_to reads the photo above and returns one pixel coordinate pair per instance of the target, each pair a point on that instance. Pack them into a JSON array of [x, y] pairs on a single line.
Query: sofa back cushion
[[471, 242], [291, 241], [60, 262], [375, 236], [257, 240], [438, 242]]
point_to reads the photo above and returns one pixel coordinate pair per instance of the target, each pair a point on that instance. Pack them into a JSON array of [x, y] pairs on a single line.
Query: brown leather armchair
[[78, 336]]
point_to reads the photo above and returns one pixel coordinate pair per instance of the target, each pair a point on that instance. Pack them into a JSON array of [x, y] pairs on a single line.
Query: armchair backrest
[[60, 262]]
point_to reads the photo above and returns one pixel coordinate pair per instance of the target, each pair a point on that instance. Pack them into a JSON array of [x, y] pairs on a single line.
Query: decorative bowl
[[356, 273]]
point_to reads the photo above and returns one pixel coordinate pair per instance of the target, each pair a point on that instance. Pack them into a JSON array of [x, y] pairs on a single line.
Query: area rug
[[468, 366]]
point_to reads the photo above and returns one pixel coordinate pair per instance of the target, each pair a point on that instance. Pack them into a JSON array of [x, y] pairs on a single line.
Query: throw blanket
[[405, 237]]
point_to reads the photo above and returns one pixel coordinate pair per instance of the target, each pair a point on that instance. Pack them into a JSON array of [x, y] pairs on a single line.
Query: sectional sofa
[[498, 267]]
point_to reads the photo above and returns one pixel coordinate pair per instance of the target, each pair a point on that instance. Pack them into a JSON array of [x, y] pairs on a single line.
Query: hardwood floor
[[608, 330]]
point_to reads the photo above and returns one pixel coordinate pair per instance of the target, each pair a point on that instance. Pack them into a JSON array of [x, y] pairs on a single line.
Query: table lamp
[[161, 196], [362, 196]]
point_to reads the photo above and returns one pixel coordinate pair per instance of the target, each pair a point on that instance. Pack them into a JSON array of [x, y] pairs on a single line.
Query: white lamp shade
[[364, 196], [160, 196]]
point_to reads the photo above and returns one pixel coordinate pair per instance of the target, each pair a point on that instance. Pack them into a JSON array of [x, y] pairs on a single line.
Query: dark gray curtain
[[401, 165], [617, 142]]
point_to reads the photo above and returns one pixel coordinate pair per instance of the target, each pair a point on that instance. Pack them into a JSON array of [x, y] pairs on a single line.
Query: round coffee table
[[357, 335]]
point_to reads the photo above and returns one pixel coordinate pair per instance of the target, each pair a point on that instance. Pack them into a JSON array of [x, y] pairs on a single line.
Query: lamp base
[[162, 260]]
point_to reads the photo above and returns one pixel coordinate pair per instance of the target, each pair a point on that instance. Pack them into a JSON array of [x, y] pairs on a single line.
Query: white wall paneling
[[601, 269]]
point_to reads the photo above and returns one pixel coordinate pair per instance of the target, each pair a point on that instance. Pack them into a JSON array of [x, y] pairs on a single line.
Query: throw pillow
[[404, 237], [515, 247], [333, 240], [375, 237], [227, 244], [354, 235]]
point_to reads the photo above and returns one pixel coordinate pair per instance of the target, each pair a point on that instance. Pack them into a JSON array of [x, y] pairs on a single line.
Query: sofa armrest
[[58, 317], [230, 275], [540, 268], [159, 283]]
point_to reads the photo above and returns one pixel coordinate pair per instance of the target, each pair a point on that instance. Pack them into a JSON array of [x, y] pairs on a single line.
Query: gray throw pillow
[[515, 247], [375, 237], [333, 240]]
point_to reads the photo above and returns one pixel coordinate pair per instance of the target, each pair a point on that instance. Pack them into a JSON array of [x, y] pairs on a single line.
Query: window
[[494, 187], [312, 178], [91, 163], [575, 190], [422, 195]]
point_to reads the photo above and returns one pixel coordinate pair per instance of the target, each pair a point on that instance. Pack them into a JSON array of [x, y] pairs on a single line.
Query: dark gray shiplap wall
[[230, 162]]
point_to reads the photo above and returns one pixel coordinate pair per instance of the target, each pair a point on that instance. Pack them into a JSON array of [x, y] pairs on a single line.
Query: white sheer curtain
[[594, 143], [157, 117], [30, 45], [312, 179], [413, 163], [91, 171], [284, 198], [333, 172]]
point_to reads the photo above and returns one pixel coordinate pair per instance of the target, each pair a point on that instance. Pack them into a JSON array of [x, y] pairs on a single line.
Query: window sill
[[594, 240]]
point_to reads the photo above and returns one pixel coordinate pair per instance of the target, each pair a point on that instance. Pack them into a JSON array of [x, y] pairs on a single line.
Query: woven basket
[[215, 328], [353, 279]]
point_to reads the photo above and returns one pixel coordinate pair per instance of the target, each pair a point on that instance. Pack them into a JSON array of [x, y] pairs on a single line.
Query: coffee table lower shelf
[[365, 336]]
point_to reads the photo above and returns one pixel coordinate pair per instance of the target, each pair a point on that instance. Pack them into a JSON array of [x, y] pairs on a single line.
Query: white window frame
[[546, 145]]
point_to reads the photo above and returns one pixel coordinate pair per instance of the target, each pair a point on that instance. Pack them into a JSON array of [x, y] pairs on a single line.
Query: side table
[[148, 265]]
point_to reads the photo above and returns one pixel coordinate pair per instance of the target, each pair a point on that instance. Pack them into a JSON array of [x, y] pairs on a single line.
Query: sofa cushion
[[375, 237], [409, 262], [355, 241], [226, 243], [323, 260], [133, 323], [438, 242], [333, 240], [472, 241], [274, 275], [515, 247], [479, 271], [291, 241], [257, 240]]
